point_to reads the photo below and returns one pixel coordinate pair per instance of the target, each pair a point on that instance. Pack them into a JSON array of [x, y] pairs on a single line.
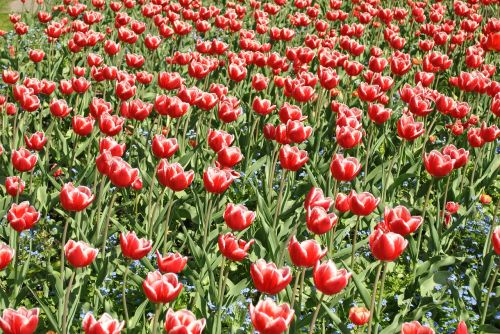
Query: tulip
[[459, 157], [121, 174], [23, 160], [452, 207], [292, 158], [110, 125], [262, 106], [271, 318], [105, 325], [22, 216], [161, 288], [409, 129], [342, 203], [75, 198], [415, 327], [109, 144], [305, 253], [229, 156], [495, 240], [82, 126], [36, 141], [461, 328], [438, 164], [233, 248], [315, 198], [344, 169], [14, 185], [6, 255], [171, 263], [173, 175], [362, 204], [238, 217], [359, 315], [79, 254], [267, 278], [218, 139], [20, 321], [134, 248], [163, 147], [386, 246], [328, 279], [319, 221], [217, 180], [400, 221], [183, 321]]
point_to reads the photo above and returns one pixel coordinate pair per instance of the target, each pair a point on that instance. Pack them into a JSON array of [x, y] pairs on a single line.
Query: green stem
[[354, 239], [63, 243], [419, 240], [381, 296], [220, 295], [66, 302], [280, 199], [487, 301], [315, 315], [150, 200], [106, 224], [374, 296], [124, 291], [156, 318], [167, 221], [207, 219]]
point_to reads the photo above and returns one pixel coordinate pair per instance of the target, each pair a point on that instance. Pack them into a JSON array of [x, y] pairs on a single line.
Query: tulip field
[[250, 166]]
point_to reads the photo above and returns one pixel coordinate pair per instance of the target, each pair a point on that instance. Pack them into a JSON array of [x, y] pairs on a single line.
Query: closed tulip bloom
[[344, 169], [75, 198], [112, 146], [170, 80], [6, 255], [171, 263], [79, 254], [22, 216], [359, 315], [368, 93], [173, 175], [133, 247], [292, 158], [232, 248], [319, 221], [164, 147], [10, 77], [342, 203], [328, 279], [415, 327], [262, 106], [267, 278], [315, 197], [217, 180], [459, 157], [438, 164], [409, 129], [161, 288], [348, 137], [461, 328], [36, 141], [110, 125], [59, 108], [400, 220], [20, 321], [218, 139], [474, 137], [82, 126], [14, 185], [23, 160], [378, 113], [297, 132], [121, 174], [238, 217], [271, 318], [386, 246], [362, 204], [183, 322], [495, 240], [105, 325], [489, 133], [229, 156], [305, 253]]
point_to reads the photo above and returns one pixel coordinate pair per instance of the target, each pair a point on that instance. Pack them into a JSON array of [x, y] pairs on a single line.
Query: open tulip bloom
[[277, 166]]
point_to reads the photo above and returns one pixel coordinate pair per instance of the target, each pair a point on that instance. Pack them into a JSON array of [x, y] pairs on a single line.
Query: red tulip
[[238, 217], [170, 80], [400, 221], [368, 93], [271, 318], [267, 278], [79, 254], [362, 204], [6, 255], [110, 125], [105, 325], [161, 288], [229, 156], [305, 253], [112, 146], [10, 77], [97, 107], [438, 164], [459, 157], [133, 247], [378, 113], [14, 185], [183, 322], [171, 263], [75, 199], [297, 132], [415, 327], [319, 221], [259, 82], [328, 279], [60, 108], [409, 129], [217, 180], [461, 328], [315, 198], [20, 321], [164, 147], [489, 134], [218, 139], [386, 246], [82, 126], [80, 85], [262, 106], [22, 216], [348, 137], [232, 248], [173, 175], [23, 160], [495, 240], [344, 169], [359, 315], [121, 174], [290, 112], [36, 56], [292, 158]]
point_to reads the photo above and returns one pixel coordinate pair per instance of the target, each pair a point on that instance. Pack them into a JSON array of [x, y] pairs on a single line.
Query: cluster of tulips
[[294, 148]]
